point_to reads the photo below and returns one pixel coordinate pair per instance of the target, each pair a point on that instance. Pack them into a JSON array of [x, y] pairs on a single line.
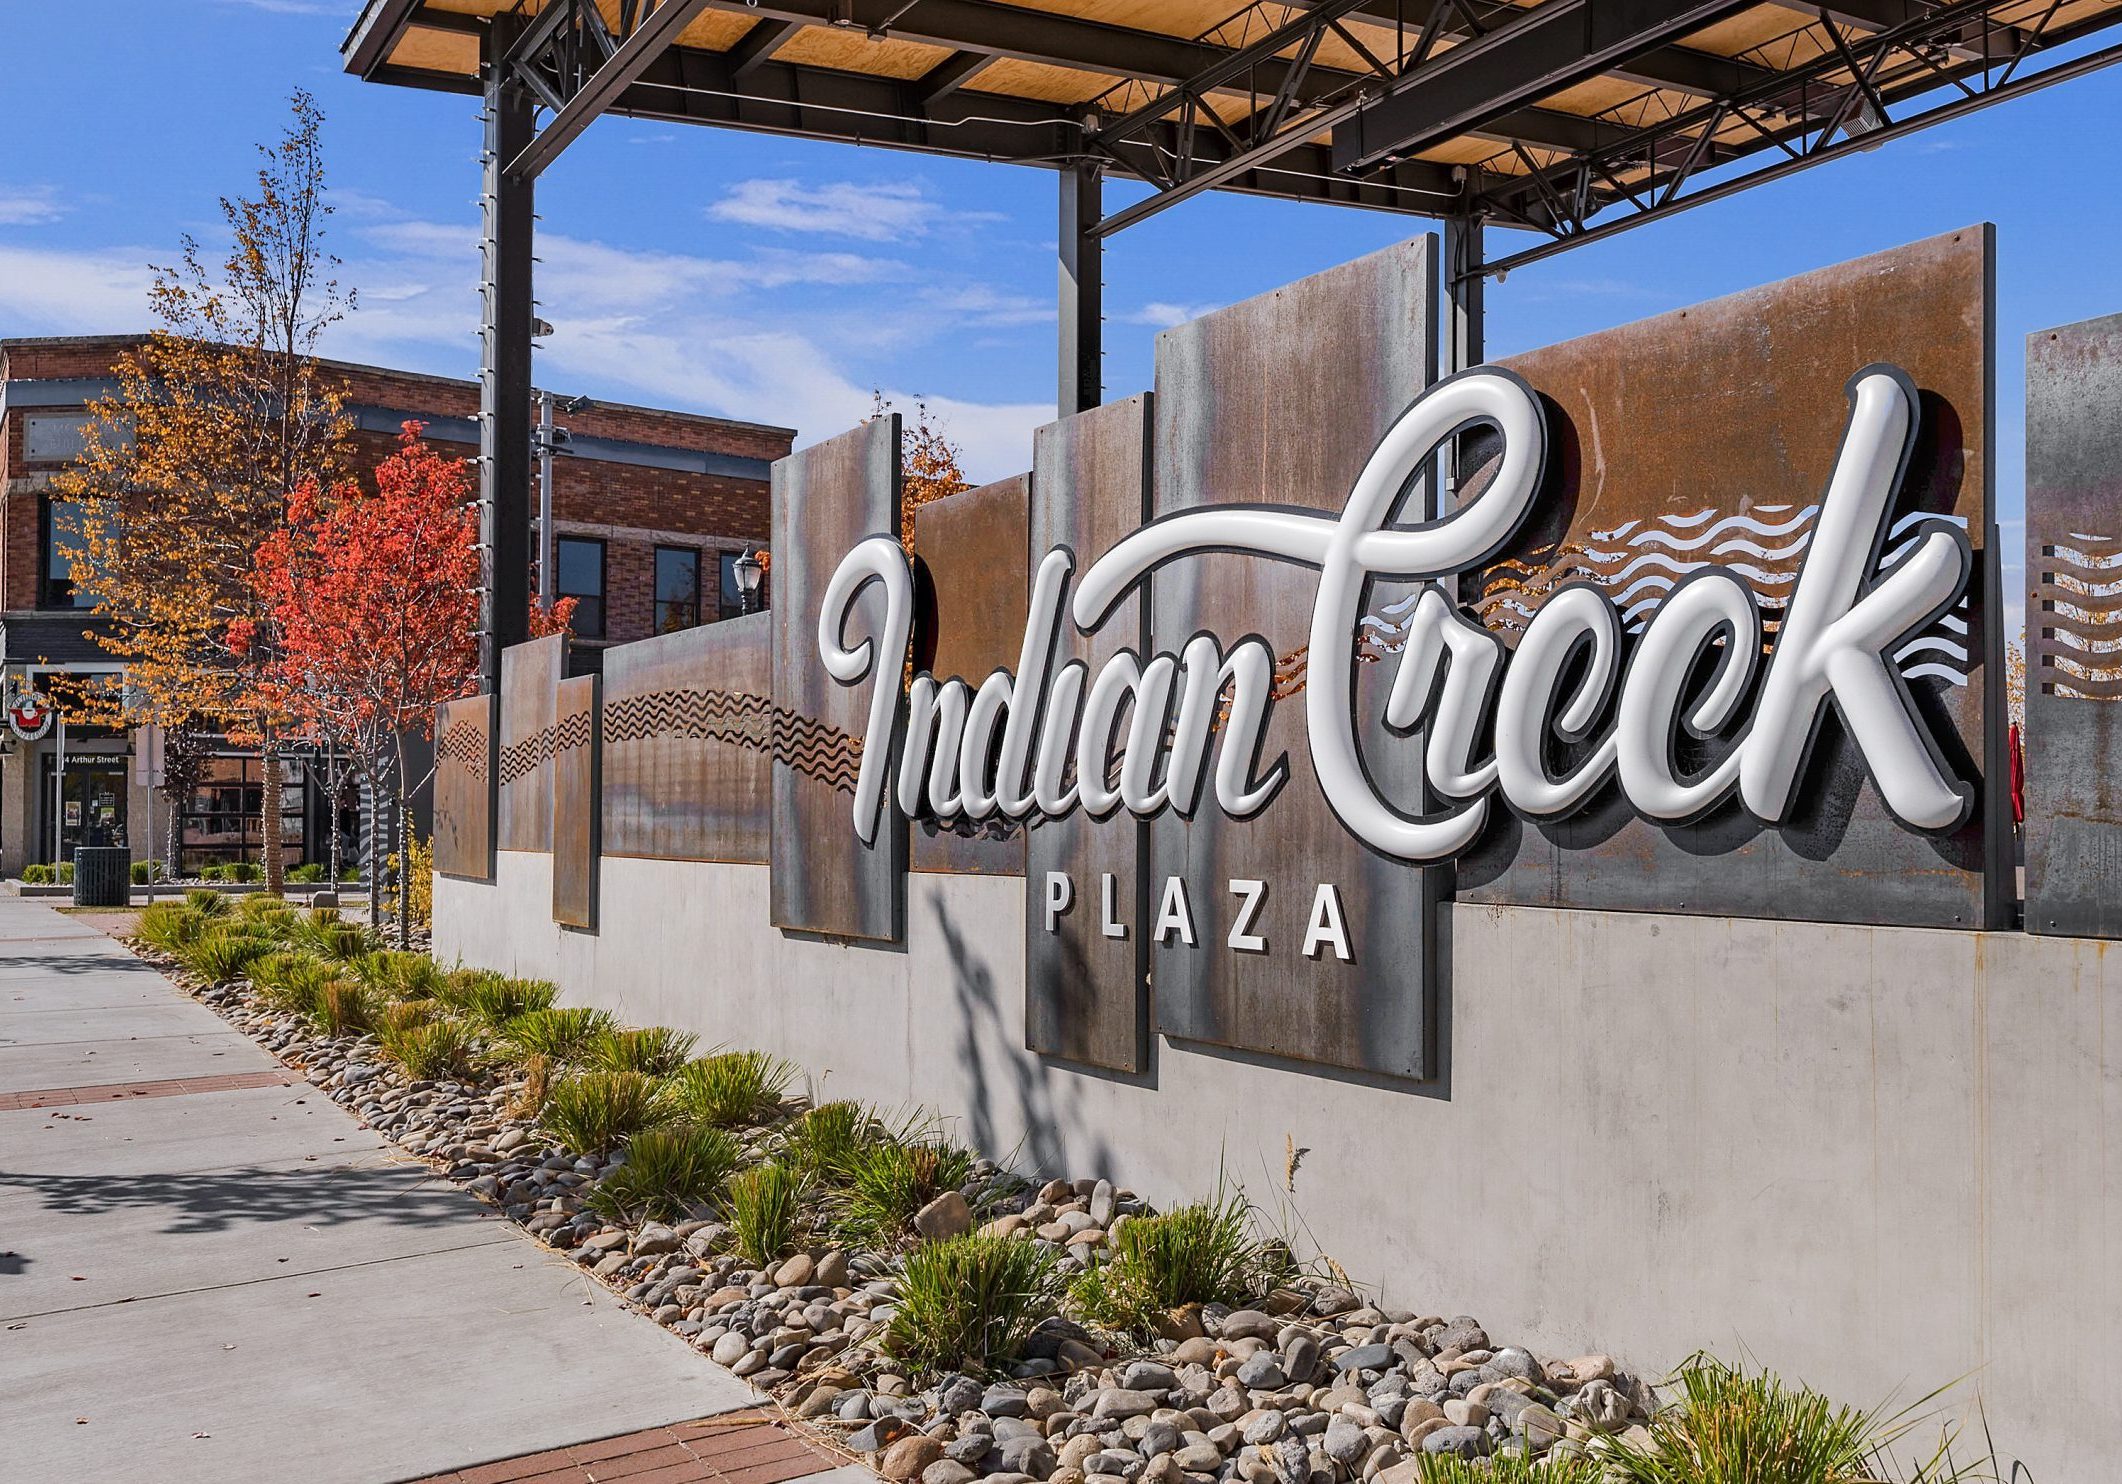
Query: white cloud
[[43, 291], [29, 206], [888, 211], [1160, 314], [300, 7]]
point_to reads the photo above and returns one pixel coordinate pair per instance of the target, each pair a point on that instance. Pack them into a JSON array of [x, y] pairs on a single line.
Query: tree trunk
[[275, 866], [176, 815], [375, 839]]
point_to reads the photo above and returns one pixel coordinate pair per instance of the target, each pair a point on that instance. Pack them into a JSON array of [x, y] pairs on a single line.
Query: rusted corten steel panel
[[1280, 400], [688, 743], [530, 688], [1708, 436], [1086, 995], [972, 591], [465, 765], [2074, 630], [825, 880], [576, 802]]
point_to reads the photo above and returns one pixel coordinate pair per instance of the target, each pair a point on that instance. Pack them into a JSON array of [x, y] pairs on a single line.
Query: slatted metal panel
[[1708, 435], [577, 804], [970, 561], [465, 768], [1085, 993], [688, 737], [530, 686], [2074, 630], [1280, 400], [827, 498]]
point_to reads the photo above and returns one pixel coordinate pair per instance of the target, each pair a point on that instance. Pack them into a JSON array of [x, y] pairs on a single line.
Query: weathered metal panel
[[974, 589], [530, 688], [2073, 732], [826, 499], [577, 805], [688, 743], [1708, 436], [1280, 400], [1086, 994], [465, 765]]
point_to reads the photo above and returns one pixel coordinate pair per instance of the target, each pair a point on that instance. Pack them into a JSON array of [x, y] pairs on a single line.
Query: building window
[[580, 568], [677, 588], [62, 542]]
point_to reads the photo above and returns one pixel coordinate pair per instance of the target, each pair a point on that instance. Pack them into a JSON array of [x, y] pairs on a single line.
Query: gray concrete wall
[[1872, 1158]]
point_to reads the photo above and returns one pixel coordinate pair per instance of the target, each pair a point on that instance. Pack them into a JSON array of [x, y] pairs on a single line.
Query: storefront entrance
[[83, 806]]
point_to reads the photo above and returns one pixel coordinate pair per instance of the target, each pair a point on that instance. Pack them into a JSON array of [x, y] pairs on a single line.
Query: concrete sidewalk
[[245, 1284]]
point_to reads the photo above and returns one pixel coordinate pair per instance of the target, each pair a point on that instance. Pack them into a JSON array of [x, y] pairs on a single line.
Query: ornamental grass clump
[[968, 1303], [654, 1051], [399, 1016], [292, 982], [170, 926], [207, 902], [560, 1033], [1509, 1468], [1731, 1426], [323, 932], [668, 1172], [225, 953], [496, 1001], [733, 1089], [823, 1142], [433, 1050], [591, 1112], [344, 1008], [888, 1180], [1204, 1253], [764, 1208]]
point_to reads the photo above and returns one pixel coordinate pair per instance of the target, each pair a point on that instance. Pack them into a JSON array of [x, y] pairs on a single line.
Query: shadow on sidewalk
[[218, 1200]]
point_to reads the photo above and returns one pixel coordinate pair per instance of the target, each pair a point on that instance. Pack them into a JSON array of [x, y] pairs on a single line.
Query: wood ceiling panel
[[848, 50], [1038, 80], [437, 51], [716, 30]]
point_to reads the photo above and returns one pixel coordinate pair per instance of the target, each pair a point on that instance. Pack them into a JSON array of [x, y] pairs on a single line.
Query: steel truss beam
[[1899, 85]]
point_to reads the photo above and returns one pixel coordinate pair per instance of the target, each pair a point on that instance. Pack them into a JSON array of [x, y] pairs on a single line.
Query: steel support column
[[504, 362], [1082, 285], [1465, 301]]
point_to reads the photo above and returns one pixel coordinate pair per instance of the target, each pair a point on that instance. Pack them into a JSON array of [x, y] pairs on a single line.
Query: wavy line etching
[[519, 758], [2080, 617], [464, 743]]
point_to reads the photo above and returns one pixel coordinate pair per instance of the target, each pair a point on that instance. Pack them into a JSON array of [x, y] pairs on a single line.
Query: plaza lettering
[[1043, 741]]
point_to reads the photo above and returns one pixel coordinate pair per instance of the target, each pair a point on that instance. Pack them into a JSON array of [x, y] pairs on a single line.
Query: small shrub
[[330, 938], [823, 1142], [460, 984], [888, 1181], [220, 957], [414, 976], [215, 872], [656, 1050], [36, 873], [260, 904], [1204, 1253], [667, 1172], [497, 1001], [765, 1210], [307, 873], [591, 1112], [206, 902], [558, 1033], [292, 982], [1732, 1425], [344, 1009], [402, 1015], [65, 872], [432, 1050], [1510, 1468], [969, 1303], [146, 871], [537, 1085], [170, 927], [733, 1089]]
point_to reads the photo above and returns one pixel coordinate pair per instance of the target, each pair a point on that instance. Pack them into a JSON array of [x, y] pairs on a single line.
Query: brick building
[[650, 511]]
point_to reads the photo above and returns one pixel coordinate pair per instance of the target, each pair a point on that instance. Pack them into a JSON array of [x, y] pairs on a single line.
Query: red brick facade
[[632, 505]]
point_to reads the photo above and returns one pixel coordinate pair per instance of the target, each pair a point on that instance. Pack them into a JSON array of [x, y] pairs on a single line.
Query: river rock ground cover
[[946, 1317]]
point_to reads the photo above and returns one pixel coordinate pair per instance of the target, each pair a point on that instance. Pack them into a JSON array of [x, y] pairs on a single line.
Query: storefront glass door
[[84, 806]]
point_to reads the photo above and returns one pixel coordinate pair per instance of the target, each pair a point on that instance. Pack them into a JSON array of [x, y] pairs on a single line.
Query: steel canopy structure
[[1571, 119]]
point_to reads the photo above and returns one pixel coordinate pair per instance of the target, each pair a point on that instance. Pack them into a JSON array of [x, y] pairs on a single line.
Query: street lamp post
[[749, 570]]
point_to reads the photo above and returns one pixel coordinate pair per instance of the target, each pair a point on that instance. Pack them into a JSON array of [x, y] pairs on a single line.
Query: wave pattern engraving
[[464, 743], [740, 718], [2078, 591], [816, 749], [519, 758]]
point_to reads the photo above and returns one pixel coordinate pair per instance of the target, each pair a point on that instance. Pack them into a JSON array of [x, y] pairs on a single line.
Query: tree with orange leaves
[[216, 420], [928, 464]]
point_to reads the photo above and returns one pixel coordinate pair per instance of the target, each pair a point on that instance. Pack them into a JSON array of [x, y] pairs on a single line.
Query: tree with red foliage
[[375, 597]]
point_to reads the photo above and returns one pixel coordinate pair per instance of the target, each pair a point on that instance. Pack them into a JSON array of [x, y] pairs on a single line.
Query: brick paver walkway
[[118, 1092], [743, 1448]]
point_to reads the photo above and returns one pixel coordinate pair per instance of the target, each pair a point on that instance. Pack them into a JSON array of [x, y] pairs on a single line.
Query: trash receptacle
[[103, 876]]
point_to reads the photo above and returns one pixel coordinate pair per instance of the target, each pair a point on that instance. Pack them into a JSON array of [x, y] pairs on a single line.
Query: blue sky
[[782, 281]]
